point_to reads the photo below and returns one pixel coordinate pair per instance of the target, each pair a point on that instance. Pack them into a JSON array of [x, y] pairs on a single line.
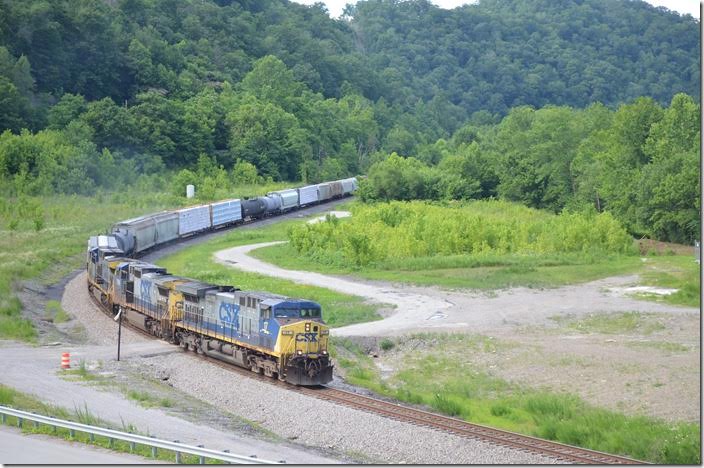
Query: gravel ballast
[[322, 424], [100, 329], [298, 418]]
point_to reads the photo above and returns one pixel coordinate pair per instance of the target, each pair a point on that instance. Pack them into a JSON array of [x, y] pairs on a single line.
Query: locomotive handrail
[[176, 447]]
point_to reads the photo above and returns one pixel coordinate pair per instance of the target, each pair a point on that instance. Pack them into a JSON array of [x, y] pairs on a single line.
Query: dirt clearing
[[590, 339]]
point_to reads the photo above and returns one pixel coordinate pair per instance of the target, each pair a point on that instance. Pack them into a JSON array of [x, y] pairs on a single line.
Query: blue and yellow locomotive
[[267, 333]]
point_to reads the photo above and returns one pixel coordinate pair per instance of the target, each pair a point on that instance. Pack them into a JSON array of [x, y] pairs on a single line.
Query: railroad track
[[398, 412], [465, 429]]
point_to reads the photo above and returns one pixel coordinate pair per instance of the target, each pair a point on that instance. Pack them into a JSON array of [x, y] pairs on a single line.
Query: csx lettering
[[307, 337], [228, 313]]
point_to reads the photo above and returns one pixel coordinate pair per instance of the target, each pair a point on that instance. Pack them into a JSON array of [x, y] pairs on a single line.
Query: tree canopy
[[557, 104]]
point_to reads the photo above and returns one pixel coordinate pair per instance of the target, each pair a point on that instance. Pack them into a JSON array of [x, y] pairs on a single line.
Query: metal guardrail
[[133, 439]]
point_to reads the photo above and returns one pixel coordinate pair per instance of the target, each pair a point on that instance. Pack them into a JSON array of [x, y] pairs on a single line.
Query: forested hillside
[[98, 94]]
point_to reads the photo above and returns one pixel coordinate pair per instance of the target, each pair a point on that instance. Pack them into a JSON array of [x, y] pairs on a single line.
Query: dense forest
[[558, 104]]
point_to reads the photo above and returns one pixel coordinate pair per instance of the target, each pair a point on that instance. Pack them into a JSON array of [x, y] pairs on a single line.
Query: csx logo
[[307, 337], [145, 287], [228, 313]]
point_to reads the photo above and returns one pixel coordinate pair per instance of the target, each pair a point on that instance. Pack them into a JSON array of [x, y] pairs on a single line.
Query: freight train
[[271, 334]]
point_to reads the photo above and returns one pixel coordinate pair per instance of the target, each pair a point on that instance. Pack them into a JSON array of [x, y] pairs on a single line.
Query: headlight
[[300, 351], [307, 327]]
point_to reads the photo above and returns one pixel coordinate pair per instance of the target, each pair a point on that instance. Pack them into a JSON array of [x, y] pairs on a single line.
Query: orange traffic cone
[[65, 360]]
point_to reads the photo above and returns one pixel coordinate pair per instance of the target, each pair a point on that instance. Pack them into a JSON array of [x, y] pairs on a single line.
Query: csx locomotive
[[271, 334]]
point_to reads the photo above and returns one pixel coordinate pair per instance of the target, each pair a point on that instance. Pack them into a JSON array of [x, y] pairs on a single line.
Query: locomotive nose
[[308, 341], [309, 363]]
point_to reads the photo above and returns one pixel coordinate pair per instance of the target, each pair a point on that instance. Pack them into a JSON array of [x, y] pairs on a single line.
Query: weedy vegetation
[[485, 245], [450, 386], [616, 323]]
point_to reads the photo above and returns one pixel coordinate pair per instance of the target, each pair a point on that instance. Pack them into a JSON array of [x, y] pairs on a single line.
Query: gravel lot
[[655, 373]]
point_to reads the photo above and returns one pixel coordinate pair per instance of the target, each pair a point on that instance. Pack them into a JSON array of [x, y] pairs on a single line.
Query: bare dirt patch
[[650, 368]]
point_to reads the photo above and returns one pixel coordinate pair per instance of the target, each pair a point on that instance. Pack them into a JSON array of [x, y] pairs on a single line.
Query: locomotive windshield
[[295, 312]]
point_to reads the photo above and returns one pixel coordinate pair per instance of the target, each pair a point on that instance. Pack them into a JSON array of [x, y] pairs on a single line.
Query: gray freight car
[[225, 212], [139, 234], [324, 192], [307, 195], [288, 198], [348, 185]]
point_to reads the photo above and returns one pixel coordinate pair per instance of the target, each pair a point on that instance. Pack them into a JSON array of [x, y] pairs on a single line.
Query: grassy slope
[[446, 383], [59, 246], [196, 262]]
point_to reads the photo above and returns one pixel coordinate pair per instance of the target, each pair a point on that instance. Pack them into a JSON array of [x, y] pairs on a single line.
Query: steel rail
[[458, 427], [469, 430], [176, 447]]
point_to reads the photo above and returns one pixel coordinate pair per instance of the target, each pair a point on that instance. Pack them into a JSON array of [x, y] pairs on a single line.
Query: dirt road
[[651, 370], [434, 309]]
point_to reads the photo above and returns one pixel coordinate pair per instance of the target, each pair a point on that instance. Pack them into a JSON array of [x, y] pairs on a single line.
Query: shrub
[[386, 344], [386, 232]]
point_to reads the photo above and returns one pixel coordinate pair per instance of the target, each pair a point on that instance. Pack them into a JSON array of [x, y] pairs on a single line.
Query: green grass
[[487, 272], [666, 346], [58, 247], [149, 400], [80, 373], [618, 323], [449, 385], [675, 271], [492, 270], [197, 262]]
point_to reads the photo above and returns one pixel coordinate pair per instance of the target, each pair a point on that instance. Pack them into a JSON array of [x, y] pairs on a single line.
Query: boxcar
[[289, 198], [139, 234], [193, 219], [348, 185], [324, 191], [336, 189], [226, 212], [307, 195]]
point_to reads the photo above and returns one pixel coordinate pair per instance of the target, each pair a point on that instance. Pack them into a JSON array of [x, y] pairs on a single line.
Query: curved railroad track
[[458, 427]]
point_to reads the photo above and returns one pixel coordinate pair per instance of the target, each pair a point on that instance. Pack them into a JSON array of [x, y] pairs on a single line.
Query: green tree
[[69, 107], [268, 137]]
